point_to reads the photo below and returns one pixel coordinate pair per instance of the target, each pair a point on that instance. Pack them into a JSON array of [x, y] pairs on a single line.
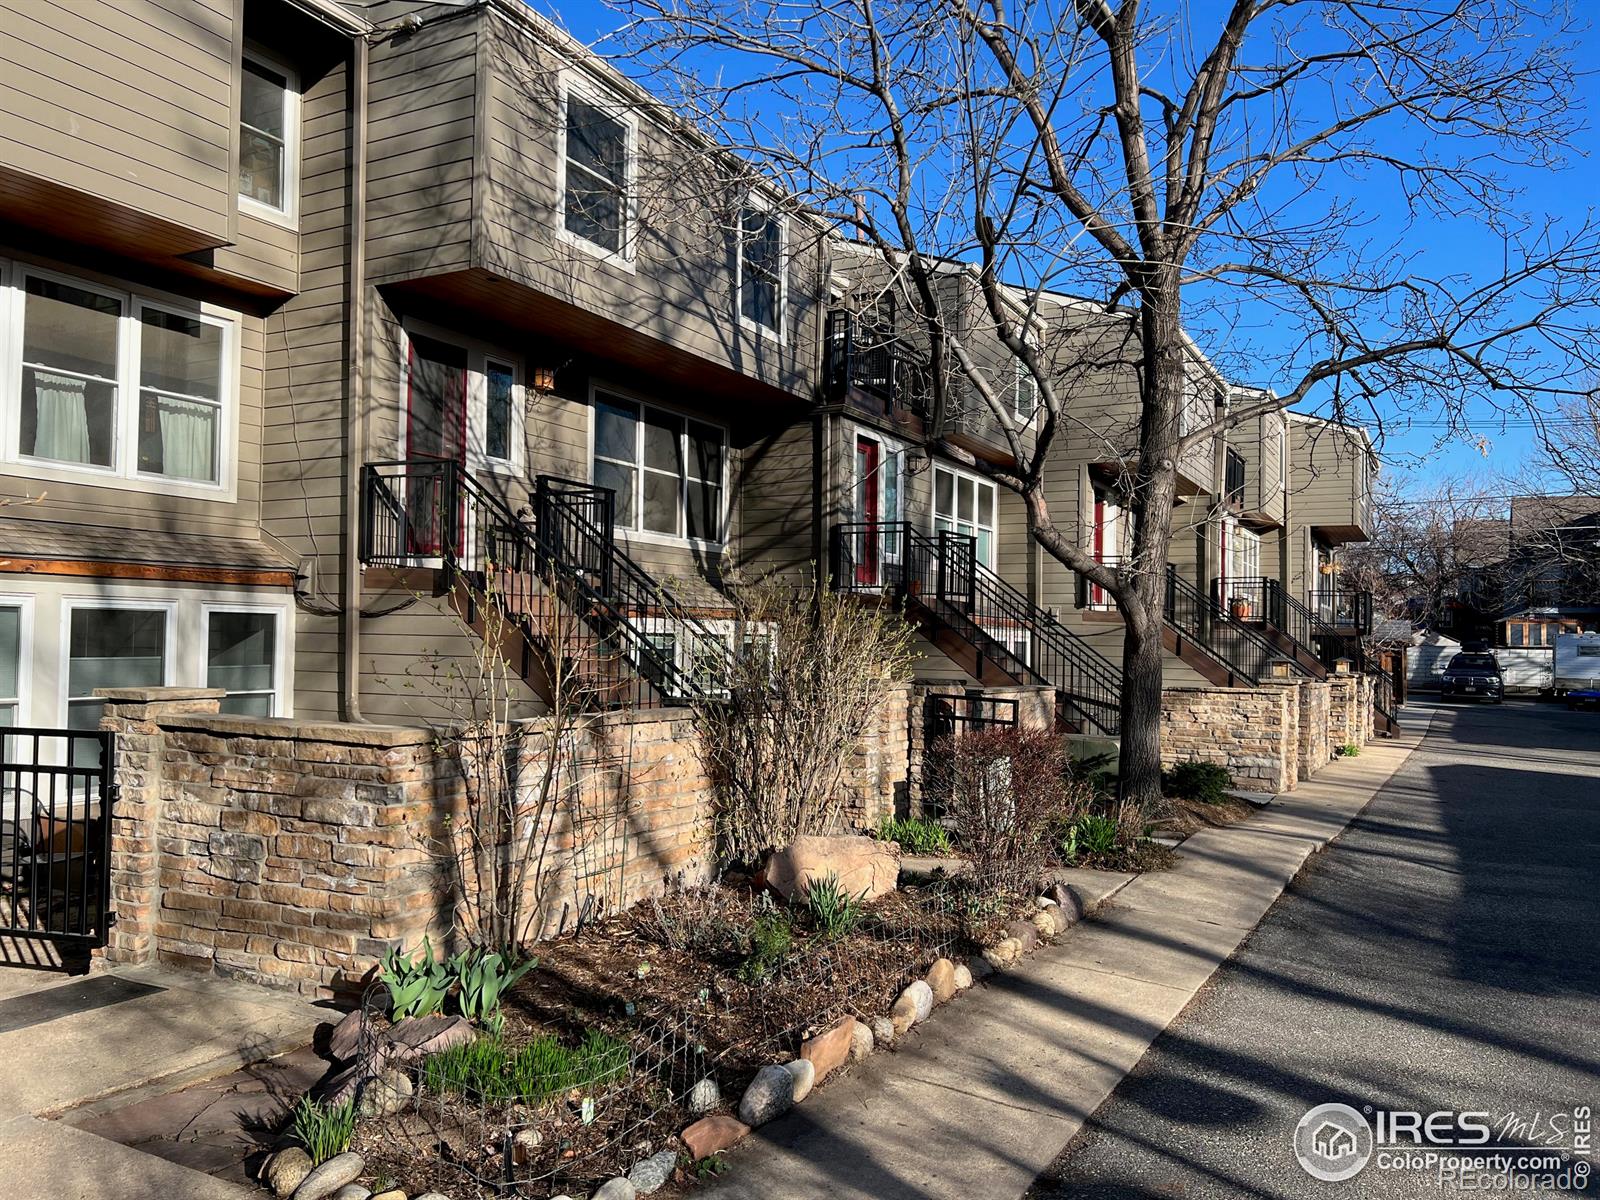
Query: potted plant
[[1239, 606]]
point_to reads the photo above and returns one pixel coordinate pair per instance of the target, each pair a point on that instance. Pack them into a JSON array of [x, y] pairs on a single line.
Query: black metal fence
[[57, 789], [1210, 626], [879, 364]]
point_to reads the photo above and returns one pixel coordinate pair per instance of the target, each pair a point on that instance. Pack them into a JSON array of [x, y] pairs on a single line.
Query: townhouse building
[[310, 313]]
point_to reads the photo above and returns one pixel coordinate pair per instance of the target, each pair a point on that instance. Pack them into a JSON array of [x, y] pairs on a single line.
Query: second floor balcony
[[874, 369]]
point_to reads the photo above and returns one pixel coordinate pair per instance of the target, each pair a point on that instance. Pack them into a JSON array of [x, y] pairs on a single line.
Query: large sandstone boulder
[[864, 866]]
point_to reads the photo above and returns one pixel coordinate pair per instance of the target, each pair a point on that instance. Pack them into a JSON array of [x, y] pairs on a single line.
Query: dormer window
[[268, 108], [761, 269], [595, 184]]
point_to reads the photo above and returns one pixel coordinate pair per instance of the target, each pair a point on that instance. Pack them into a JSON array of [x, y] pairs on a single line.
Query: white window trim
[[755, 200], [889, 450], [479, 355], [123, 473], [289, 215], [280, 646], [72, 604], [979, 481], [25, 602], [647, 536], [571, 83]]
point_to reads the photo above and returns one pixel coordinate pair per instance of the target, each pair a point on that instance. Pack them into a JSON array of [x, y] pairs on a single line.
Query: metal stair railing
[[1206, 624], [431, 512], [942, 574]]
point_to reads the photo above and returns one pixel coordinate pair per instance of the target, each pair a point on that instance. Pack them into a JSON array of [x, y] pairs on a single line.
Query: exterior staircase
[[983, 624], [587, 620]]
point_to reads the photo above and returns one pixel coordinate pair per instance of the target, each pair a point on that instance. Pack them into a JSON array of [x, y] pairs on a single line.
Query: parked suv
[[1472, 676]]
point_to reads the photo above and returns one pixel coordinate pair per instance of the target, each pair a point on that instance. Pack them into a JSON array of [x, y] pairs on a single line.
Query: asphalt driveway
[[1443, 955]]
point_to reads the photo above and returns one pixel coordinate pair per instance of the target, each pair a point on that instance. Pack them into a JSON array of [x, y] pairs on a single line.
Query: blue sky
[[1417, 453]]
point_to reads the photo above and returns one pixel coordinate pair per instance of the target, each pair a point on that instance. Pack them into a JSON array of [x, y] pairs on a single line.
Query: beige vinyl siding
[[774, 489], [127, 101], [264, 252], [1328, 473], [679, 286]]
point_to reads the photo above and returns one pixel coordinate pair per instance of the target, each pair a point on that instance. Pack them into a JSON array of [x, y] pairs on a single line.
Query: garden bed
[[702, 985]]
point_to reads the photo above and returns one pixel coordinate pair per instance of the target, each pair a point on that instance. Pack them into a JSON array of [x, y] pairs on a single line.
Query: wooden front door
[[868, 460]]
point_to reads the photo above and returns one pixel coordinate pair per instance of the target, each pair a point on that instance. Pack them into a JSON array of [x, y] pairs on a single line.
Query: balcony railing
[[1350, 610], [879, 364]]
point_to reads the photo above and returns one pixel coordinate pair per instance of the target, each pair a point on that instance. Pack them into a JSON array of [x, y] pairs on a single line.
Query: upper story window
[[596, 172], [268, 113], [761, 268], [113, 384], [668, 472]]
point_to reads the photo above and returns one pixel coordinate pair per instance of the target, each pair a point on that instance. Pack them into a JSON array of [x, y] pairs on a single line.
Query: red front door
[[436, 429], [868, 550]]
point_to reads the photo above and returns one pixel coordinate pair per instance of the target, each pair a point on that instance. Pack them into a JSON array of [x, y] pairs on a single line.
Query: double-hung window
[[242, 659], [595, 175], [11, 652], [111, 646], [761, 269], [668, 472], [109, 383], [268, 114]]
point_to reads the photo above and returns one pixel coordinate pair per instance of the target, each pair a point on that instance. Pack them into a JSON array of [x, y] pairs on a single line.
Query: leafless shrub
[[1007, 792], [811, 676]]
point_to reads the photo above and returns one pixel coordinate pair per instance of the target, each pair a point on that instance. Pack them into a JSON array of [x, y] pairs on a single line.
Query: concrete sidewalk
[[987, 1094], [175, 1029]]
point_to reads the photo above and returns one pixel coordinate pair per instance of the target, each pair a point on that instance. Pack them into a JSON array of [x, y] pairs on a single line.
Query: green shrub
[[1089, 837], [1348, 750], [771, 940], [1204, 783], [916, 836], [323, 1129], [831, 911]]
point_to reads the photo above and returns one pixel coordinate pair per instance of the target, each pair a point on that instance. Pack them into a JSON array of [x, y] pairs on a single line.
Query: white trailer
[[1577, 666]]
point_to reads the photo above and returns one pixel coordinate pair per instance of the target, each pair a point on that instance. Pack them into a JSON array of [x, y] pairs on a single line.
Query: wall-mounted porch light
[[1341, 666], [1279, 668], [544, 380]]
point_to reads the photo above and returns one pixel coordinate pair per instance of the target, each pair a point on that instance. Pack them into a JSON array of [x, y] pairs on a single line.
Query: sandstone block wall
[[1252, 732], [1315, 750]]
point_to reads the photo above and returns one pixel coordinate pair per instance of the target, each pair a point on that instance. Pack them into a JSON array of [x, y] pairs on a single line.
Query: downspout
[[355, 447]]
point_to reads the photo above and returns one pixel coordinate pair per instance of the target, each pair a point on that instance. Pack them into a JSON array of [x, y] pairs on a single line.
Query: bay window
[[103, 382], [668, 471]]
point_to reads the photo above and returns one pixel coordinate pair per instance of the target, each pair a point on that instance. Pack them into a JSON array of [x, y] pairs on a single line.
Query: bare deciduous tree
[[1193, 175]]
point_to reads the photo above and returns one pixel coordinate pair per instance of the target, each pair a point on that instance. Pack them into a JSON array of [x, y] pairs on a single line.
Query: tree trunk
[[1139, 760]]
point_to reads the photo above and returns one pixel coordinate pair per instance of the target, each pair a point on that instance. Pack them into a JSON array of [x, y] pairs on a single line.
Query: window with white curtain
[[106, 382]]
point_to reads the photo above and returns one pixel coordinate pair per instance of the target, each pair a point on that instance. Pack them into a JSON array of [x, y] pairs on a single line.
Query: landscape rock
[[344, 1043], [523, 1143], [770, 1094], [941, 979], [433, 1196], [864, 866], [712, 1135], [903, 1014], [861, 1040], [883, 1031], [1068, 902], [1003, 953], [963, 977], [615, 1189], [1025, 932], [922, 996], [704, 1097], [352, 1191], [1045, 922], [391, 1194], [830, 1049], [649, 1176], [287, 1170], [805, 1077], [416, 1038], [332, 1175], [386, 1094]]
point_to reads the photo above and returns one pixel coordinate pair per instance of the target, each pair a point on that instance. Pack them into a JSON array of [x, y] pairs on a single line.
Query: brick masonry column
[[135, 716], [1342, 714], [1314, 751]]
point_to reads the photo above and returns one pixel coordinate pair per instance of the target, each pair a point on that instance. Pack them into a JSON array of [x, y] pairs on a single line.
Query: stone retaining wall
[[1253, 732], [1315, 750], [1344, 715]]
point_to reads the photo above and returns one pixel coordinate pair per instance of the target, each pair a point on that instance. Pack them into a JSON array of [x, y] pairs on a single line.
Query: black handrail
[[1338, 607], [1209, 626], [1270, 601], [1005, 627], [427, 511], [883, 366]]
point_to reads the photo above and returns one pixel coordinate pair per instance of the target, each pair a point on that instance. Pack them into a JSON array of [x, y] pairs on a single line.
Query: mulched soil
[[1190, 816], [667, 977]]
